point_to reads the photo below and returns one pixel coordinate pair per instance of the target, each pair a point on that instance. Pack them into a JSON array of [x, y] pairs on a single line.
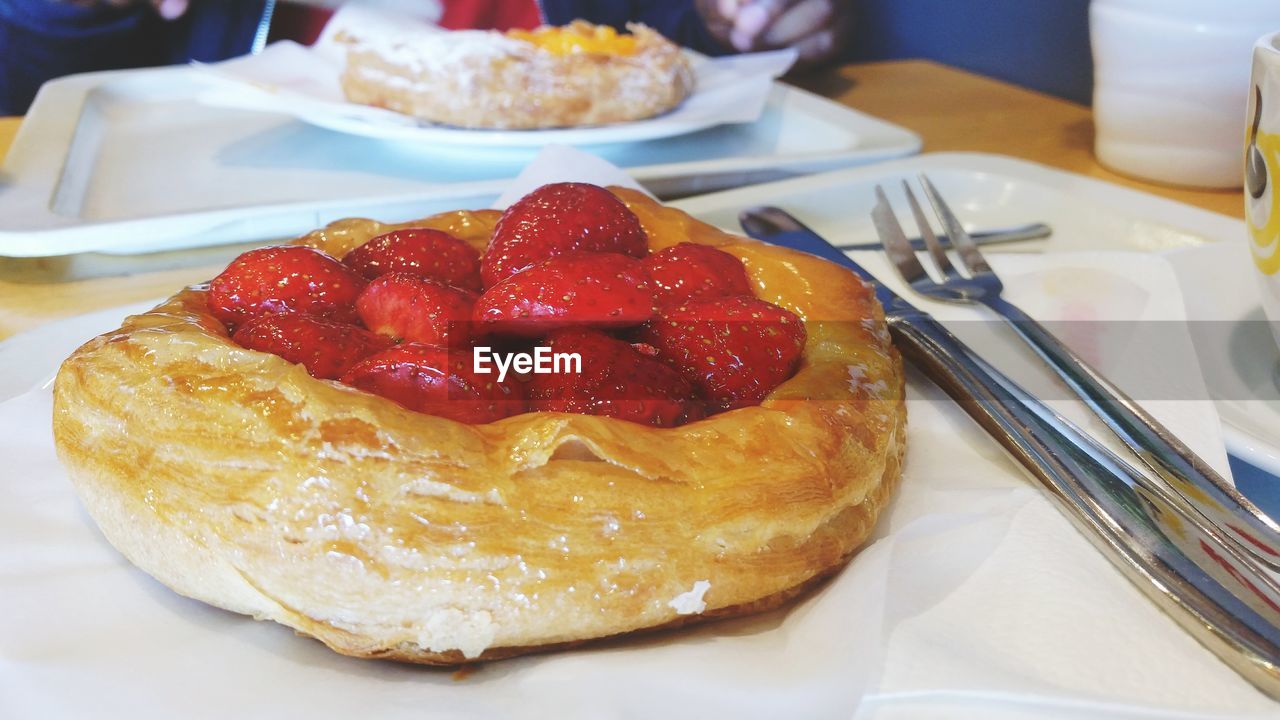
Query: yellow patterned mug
[[1262, 174]]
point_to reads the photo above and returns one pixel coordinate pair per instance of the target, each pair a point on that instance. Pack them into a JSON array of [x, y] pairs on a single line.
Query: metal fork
[[1198, 486]]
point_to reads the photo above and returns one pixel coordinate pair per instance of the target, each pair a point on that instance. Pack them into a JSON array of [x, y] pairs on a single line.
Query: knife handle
[[1181, 563]]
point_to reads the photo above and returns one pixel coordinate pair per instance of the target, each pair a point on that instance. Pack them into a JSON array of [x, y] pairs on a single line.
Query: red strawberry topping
[[416, 309], [616, 380], [569, 263], [690, 271], [422, 251], [427, 379], [580, 288], [735, 350], [560, 218], [284, 279], [326, 348]]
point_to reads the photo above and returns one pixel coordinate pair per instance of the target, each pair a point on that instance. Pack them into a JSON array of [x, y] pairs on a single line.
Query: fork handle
[[1196, 484], [1186, 567]]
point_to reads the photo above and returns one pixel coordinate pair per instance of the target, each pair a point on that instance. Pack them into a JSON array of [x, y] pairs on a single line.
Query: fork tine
[[895, 242], [939, 255], [960, 240]]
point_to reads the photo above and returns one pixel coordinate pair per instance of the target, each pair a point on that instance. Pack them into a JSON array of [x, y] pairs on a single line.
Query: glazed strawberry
[[282, 279], [416, 309], [432, 380], [556, 219], [690, 271], [579, 288], [734, 350], [617, 380], [422, 251], [326, 348]]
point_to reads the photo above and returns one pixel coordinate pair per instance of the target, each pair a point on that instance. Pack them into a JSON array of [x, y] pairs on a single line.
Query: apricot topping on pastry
[[579, 38]]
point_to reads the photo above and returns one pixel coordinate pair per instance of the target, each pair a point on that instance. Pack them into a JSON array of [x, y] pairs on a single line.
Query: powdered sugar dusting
[[691, 603], [431, 50]]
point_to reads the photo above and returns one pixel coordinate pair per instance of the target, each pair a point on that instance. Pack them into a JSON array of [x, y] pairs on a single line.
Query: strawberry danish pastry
[[312, 438]]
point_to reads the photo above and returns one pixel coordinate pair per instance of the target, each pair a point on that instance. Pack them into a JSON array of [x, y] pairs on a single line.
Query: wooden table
[[952, 110]]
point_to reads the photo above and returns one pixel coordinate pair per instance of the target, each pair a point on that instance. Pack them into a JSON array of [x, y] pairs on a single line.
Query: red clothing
[[491, 14], [303, 23]]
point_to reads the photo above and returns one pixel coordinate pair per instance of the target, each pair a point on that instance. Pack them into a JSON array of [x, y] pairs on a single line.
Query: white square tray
[[129, 162]]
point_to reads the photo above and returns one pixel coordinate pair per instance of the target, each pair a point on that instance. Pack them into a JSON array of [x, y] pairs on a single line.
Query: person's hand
[[815, 28], [167, 9]]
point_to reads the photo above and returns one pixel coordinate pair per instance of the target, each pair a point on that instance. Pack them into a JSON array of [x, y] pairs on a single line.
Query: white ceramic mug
[[1170, 77], [1262, 173]]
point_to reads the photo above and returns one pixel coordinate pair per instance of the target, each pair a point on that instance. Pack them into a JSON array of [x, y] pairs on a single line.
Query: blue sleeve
[[42, 39], [675, 19]]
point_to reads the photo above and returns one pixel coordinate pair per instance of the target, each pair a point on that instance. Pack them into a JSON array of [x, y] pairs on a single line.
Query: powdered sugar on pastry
[[691, 603], [430, 50], [577, 75]]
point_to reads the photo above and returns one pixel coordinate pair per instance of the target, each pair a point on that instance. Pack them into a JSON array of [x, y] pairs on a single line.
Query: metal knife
[[1180, 562]]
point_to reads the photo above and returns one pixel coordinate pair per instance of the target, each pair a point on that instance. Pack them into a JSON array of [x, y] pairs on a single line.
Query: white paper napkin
[[549, 166], [975, 599], [303, 81]]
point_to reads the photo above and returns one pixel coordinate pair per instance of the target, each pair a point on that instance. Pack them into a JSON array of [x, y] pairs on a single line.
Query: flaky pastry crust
[[484, 79], [234, 477]]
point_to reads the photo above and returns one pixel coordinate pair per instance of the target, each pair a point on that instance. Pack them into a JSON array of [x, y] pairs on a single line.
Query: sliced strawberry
[[734, 350], [422, 251], [326, 348], [556, 219], [579, 288], [416, 309], [690, 271], [430, 379], [283, 279], [616, 381]]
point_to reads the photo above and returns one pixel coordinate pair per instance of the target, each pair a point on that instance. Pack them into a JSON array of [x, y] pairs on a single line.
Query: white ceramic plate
[[31, 358], [441, 135]]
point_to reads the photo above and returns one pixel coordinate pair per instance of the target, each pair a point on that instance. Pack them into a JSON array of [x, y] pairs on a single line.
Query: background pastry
[[579, 74]]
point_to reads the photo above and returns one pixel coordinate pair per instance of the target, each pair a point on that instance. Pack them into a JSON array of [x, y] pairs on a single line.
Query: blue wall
[[1040, 44]]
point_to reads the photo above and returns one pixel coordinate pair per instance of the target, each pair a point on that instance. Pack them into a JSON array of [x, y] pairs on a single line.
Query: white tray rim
[[49, 234]]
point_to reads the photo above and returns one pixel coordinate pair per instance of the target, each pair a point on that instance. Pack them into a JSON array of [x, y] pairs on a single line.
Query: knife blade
[[1179, 562]]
